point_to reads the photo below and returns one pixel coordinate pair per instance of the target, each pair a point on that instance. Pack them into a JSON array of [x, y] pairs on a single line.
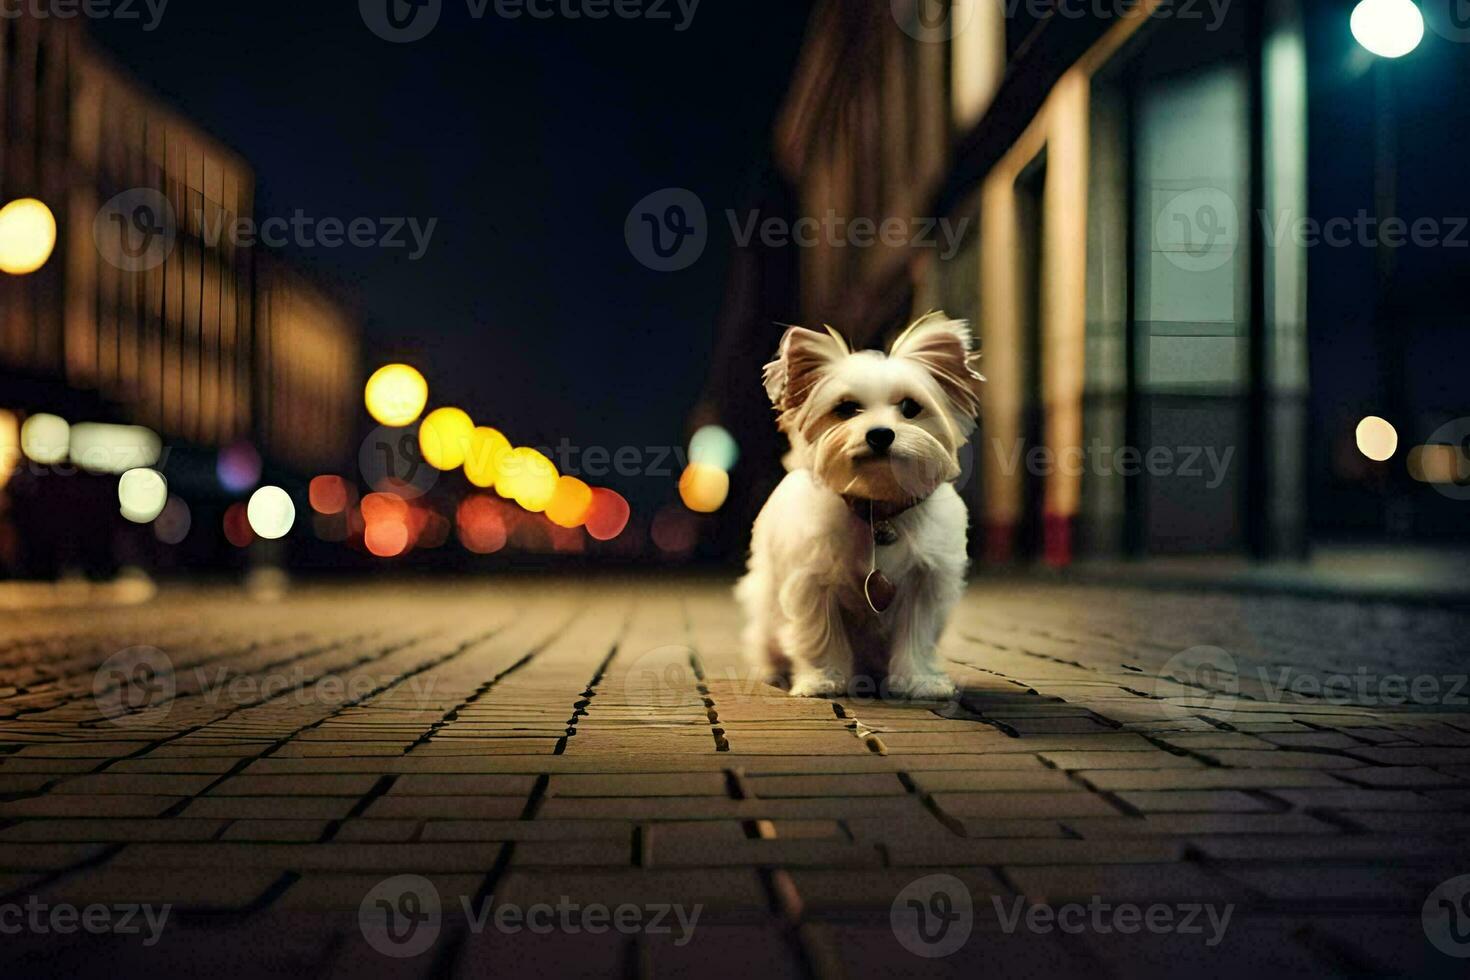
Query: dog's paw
[[817, 684], [922, 687]]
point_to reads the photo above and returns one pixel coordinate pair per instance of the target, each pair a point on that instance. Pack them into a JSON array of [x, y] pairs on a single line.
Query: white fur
[[810, 553]]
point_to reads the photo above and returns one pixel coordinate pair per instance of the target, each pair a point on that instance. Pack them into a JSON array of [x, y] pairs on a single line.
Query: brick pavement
[[1117, 759]]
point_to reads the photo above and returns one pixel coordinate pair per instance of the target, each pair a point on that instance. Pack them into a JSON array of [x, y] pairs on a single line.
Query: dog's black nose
[[880, 439]]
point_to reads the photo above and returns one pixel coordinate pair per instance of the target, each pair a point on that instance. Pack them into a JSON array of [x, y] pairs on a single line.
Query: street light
[[1388, 28], [27, 236]]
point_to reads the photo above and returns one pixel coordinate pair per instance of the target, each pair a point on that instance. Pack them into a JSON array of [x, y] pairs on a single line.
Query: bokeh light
[[444, 438], [386, 539], [99, 447], [569, 503], [714, 446], [237, 526], [1377, 438], [396, 395], [704, 488], [377, 507], [27, 236], [675, 532], [45, 439], [173, 525], [9, 446], [271, 513], [328, 495], [608, 516], [527, 477], [142, 495], [1388, 28], [481, 525], [488, 448], [238, 467]]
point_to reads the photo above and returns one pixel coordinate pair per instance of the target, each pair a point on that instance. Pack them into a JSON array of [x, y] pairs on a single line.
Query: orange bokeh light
[[481, 525], [378, 507], [608, 516], [570, 503], [386, 538], [328, 495]]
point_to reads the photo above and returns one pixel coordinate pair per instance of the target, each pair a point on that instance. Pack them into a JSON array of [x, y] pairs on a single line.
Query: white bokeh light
[[45, 439], [141, 495], [1388, 28], [271, 513]]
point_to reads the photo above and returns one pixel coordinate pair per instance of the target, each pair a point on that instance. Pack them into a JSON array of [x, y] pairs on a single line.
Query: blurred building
[[1101, 170], [149, 312]]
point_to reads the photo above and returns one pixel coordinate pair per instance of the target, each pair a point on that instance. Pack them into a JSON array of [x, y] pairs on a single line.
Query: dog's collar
[[874, 511]]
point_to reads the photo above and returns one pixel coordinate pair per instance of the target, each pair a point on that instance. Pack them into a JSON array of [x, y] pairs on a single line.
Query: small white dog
[[859, 555]]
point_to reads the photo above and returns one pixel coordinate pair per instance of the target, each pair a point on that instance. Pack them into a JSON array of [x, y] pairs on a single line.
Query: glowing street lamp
[[1388, 28], [27, 236]]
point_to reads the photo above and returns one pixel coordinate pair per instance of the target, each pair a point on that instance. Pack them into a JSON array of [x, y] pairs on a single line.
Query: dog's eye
[[910, 408], [846, 410]]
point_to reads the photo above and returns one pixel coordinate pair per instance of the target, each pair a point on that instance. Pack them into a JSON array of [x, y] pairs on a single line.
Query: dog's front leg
[[815, 640], [914, 668]]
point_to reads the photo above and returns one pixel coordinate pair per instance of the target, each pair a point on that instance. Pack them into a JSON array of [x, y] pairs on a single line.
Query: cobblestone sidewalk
[[558, 778]]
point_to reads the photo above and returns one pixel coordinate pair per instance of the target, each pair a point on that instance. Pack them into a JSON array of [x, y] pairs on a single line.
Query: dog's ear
[[942, 347], [800, 360]]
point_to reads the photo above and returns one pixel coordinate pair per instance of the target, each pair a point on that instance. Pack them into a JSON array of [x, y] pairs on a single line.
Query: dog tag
[[880, 592], [885, 533]]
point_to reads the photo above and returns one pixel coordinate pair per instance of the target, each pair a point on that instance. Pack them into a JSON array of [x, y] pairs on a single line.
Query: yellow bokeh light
[[527, 477], [570, 503], [45, 439], [703, 488], [396, 395], [9, 446], [444, 438], [27, 236], [1377, 438], [487, 448]]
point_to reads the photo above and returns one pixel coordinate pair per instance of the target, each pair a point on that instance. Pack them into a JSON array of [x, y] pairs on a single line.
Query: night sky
[[530, 141]]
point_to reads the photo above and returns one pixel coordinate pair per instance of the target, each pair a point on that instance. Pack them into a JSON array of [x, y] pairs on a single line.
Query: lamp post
[[1388, 29]]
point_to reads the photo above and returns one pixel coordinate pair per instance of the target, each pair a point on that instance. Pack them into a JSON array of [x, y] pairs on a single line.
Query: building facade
[[150, 311], [1080, 186]]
